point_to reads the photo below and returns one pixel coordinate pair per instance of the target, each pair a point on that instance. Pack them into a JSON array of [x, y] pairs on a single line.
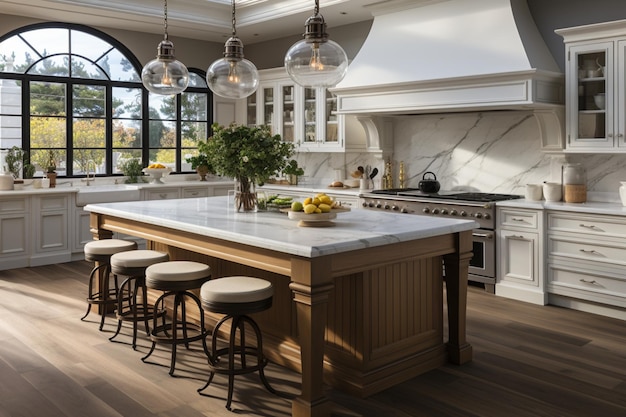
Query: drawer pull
[[588, 251], [194, 193], [589, 226], [516, 237], [587, 281], [517, 219], [163, 195], [483, 235]]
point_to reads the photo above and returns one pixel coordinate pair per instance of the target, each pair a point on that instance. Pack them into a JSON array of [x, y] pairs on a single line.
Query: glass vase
[[245, 197]]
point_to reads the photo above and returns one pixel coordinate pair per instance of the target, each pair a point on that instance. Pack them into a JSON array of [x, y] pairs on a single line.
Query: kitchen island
[[358, 305]]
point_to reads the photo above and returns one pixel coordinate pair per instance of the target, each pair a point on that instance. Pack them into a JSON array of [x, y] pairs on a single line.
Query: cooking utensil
[[361, 169], [429, 185], [374, 173]]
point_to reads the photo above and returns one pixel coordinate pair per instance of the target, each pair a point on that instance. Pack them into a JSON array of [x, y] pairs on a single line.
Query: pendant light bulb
[[316, 61], [165, 75], [233, 76]]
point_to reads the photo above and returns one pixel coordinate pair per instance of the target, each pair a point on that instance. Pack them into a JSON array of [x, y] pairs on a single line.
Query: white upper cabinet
[[306, 117], [595, 87]]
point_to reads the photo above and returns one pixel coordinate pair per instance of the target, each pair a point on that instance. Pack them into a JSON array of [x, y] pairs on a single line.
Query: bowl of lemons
[[317, 211], [156, 172]]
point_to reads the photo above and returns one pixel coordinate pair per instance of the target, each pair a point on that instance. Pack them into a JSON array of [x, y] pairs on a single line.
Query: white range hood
[[437, 56]]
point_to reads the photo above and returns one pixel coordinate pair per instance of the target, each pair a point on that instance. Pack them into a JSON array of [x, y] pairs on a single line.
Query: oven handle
[[483, 235]]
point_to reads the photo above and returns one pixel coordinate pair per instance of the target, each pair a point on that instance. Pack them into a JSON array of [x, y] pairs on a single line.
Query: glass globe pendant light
[[165, 75], [316, 61], [233, 76]]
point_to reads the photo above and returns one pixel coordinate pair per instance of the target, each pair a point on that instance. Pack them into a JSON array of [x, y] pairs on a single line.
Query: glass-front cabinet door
[[288, 100], [267, 96], [591, 96], [332, 131], [310, 115], [251, 112]]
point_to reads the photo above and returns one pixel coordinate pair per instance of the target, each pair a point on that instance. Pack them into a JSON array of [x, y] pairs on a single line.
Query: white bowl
[[156, 174], [600, 101]]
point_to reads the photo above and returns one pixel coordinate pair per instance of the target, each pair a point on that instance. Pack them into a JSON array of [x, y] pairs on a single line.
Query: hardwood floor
[[528, 361]]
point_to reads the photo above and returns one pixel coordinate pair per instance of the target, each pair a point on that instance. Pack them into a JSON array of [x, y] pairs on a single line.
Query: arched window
[[71, 97]]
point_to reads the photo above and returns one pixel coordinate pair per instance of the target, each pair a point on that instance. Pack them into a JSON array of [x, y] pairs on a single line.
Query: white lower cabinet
[[586, 259], [50, 229], [520, 261], [46, 228], [14, 232]]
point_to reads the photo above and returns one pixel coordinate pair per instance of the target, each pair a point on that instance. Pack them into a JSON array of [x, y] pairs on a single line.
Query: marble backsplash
[[498, 152]]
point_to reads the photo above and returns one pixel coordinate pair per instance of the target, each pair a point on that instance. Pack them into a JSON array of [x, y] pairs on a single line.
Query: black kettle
[[429, 185]]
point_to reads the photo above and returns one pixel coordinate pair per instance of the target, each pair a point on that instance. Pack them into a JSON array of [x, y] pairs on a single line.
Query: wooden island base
[[384, 326], [362, 311]]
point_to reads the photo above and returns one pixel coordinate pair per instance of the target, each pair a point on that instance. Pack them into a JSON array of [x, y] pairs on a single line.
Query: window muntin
[[86, 103]]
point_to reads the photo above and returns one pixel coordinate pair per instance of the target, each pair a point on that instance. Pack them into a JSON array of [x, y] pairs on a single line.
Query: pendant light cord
[[165, 18], [234, 21], [316, 11]]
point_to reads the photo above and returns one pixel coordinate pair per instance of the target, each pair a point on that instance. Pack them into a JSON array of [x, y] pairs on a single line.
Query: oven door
[[483, 263]]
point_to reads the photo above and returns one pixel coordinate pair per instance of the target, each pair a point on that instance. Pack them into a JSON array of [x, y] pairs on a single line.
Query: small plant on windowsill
[[51, 166], [200, 162], [132, 170]]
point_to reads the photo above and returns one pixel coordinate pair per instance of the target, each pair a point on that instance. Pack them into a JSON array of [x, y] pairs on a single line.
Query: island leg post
[[457, 267], [99, 234], [311, 310]]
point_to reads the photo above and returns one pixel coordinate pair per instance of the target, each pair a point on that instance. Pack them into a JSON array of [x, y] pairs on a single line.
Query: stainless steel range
[[460, 204]]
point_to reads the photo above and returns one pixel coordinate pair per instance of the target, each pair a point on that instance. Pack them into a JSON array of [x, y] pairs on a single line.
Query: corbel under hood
[[437, 56]]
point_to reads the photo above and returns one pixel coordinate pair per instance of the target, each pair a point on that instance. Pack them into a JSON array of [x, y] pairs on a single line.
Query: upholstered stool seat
[[101, 292], [237, 297], [132, 297], [177, 279]]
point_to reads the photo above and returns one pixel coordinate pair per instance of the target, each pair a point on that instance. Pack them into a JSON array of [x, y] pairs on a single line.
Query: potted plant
[[293, 171], [14, 160], [249, 154], [51, 166], [133, 170], [200, 162]]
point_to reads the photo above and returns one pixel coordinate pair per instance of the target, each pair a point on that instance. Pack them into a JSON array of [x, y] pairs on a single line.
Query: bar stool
[[176, 279], [100, 252], [236, 297], [132, 296]]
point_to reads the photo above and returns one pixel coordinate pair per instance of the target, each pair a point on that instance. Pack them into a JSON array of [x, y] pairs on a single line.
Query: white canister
[[552, 191], [534, 192], [6, 181]]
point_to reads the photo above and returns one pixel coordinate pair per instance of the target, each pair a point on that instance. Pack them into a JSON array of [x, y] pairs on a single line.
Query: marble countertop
[[69, 187], [591, 207], [215, 217]]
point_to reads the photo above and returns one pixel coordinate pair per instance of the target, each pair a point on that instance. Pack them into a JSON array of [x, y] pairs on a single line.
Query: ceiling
[[210, 20]]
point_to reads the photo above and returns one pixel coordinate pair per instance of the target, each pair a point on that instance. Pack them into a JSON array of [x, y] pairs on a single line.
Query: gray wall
[[556, 14]]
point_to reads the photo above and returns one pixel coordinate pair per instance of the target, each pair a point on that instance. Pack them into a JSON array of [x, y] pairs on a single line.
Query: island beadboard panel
[[384, 325]]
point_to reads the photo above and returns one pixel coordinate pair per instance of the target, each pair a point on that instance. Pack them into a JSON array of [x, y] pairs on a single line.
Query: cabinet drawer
[[610, 226], [572, 281], [519, 218], [14, 205], [195, 192], [52, 202], [586, 250], [162, 194]]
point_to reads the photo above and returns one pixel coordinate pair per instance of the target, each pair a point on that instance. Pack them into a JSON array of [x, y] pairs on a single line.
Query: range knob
[[487, 216], [453, 212], [387, 206], [371, 204], [378, 204], [426, 210], [364, 204], [478, 215], [435, 211], [463, 213], [444, 211], [404, 210], [395, 208]]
